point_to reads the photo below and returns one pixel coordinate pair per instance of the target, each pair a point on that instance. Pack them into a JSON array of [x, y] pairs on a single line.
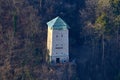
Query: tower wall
[[58, 45], [49, 41]]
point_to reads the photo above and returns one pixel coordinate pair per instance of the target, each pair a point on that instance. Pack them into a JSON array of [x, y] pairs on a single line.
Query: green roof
[[57, 23]]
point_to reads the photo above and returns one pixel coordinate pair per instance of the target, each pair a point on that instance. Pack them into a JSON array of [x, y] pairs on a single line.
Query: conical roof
[[57, 23]]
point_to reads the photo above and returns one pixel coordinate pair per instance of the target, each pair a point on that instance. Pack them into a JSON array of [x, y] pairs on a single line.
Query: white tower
[[58, 41]]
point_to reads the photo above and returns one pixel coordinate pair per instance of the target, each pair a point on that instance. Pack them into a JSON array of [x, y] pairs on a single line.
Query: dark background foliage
[[94, 38]]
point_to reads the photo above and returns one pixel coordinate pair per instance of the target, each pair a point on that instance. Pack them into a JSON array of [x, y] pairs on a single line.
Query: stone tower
[[58, 41]]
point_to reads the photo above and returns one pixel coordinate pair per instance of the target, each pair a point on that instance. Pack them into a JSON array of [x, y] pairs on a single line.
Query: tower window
[[59, 47], [61, 35], [56, 35]]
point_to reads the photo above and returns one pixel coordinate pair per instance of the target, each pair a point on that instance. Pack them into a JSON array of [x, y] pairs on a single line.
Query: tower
[[58, 41]]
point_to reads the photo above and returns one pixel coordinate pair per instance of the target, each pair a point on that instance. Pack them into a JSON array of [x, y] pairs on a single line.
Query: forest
[[94, 39]]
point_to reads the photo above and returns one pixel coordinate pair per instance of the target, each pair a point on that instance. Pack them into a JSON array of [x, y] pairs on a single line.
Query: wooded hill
[[94, 38]]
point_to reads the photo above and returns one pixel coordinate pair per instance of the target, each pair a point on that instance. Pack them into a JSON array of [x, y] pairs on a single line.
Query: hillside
[[94, 39]]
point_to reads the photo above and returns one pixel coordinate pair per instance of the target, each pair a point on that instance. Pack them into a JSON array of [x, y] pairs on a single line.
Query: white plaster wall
[[49, 41], [60, 42], [58, 38]]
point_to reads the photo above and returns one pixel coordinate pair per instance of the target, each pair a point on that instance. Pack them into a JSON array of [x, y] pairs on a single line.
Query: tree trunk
[[103, 48], [117, 40]]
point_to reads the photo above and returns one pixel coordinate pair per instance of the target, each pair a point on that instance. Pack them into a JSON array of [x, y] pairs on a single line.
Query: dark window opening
[[59, 47], [57, 60]]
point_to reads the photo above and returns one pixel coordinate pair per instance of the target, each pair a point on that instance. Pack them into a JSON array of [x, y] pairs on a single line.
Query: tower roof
[[57, 23]]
